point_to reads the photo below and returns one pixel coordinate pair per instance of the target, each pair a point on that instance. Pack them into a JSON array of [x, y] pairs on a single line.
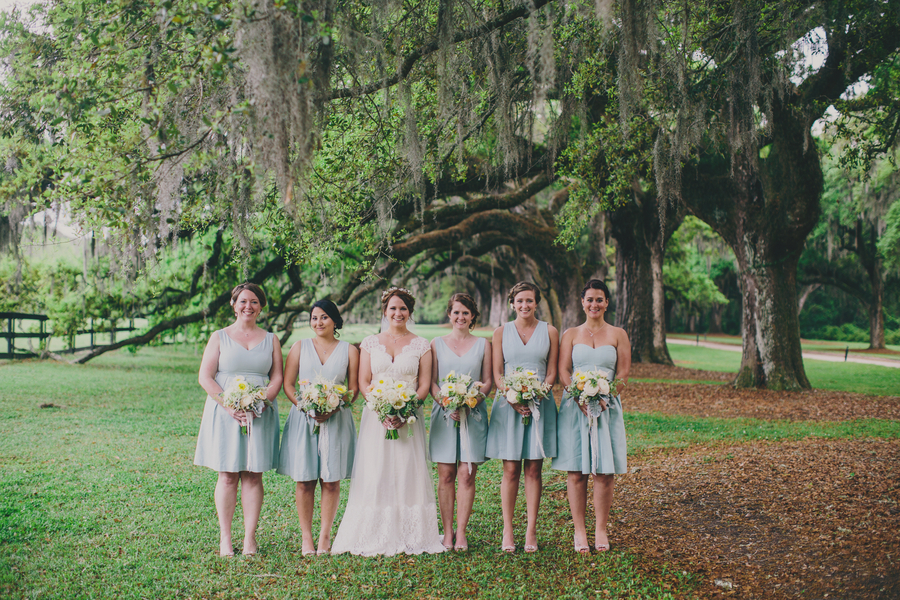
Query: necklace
[[591, 333], [326, 351], [456, 344], [522, 335], [396, 337]]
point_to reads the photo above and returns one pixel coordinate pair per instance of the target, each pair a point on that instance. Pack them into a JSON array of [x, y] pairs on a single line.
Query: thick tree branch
[[462, 36], [270, 269]]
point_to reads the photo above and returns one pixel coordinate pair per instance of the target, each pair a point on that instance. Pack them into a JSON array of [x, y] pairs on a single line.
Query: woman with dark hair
[[242, 349], [591, 444], [533, 345], [326, 456], [458, 438], [391, 507]]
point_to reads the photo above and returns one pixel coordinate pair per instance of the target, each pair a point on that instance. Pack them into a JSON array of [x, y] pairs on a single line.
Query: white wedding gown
[[391, 507]]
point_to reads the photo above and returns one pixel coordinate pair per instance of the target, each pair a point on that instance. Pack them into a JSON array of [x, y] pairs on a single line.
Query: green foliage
[[695, 258]]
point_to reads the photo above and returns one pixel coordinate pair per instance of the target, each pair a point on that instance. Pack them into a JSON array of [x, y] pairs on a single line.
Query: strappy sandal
[[581, 549]]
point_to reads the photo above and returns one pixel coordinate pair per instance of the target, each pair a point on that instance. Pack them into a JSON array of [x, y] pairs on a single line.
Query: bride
[[391, 507]]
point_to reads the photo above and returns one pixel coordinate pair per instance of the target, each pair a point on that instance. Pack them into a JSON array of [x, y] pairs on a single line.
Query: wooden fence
[[11, 334]]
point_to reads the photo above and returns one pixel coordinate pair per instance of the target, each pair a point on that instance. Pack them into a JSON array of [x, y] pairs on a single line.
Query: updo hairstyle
[[252, 287], [524, 286], [331, 310], [467, 301], [402, 293], [595, 284]]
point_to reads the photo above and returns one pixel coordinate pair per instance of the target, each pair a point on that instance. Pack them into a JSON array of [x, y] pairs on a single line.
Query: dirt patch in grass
[[804, 519], [704, 400], [650, 371]]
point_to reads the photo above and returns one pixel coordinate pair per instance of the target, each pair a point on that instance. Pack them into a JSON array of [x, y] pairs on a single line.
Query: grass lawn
[[101, 500], [809, 345], [848, 377]]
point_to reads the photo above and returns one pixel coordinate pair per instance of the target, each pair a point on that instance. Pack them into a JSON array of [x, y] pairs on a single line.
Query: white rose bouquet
[[457, 391], [588, 388], [243, 395], [319, 397], [524, 387], [388, 397]]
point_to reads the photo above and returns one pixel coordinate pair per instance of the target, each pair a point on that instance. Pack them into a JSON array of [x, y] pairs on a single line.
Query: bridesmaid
[[326, 457], [592, 346], [466, 354], [531, 344], [245, 349]]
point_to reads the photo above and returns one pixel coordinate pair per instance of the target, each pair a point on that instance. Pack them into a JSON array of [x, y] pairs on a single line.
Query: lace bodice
[[403, 366]]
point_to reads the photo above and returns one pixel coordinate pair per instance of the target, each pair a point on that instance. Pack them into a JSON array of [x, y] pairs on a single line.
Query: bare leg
[[446, 497], [306, 501], [534, 484], [603, 495], [509, 489], [465, 498], [251, 502], [331, 497], [576, 486], [226, 499]]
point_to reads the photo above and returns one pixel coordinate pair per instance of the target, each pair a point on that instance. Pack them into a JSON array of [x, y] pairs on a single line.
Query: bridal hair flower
[[393, 289], [404, 294]]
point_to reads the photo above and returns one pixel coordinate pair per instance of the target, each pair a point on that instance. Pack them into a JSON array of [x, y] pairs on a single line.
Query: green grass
[[840, 376], [101, 500], [813, 345]]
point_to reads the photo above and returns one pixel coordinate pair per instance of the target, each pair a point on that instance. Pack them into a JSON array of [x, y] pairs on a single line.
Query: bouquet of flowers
[[458, 390], [319, 397], [388, 397], [243, 395], [589, 387], [524, 387]]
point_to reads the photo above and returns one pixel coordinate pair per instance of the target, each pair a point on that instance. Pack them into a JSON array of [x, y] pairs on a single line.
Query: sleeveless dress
[[448, 443], [508, 438], [391, 506], [580, 449], [220, 445], [328, 455]]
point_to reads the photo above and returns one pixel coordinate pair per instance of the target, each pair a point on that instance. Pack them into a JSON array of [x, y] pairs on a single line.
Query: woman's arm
[[553, 358], [623, 360], [353, 373], [487, 365], [209, 366], [276, 373], [497, 358], [424, 375], [565, 357], [291, 371], [435, 384], [365, 371]]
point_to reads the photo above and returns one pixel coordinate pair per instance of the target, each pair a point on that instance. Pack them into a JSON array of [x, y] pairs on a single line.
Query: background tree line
[[326, 148]]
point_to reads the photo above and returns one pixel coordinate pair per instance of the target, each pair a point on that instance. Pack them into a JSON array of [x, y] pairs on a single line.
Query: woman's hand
[[322, 418], [240, 416], [582, 407], [455, 415], [522, 409], [392, 423]]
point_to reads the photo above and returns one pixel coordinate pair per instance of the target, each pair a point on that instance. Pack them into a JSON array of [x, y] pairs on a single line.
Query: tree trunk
[[876, 311], [764, 212], [499, 308], [640, 298], [6, 234]]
